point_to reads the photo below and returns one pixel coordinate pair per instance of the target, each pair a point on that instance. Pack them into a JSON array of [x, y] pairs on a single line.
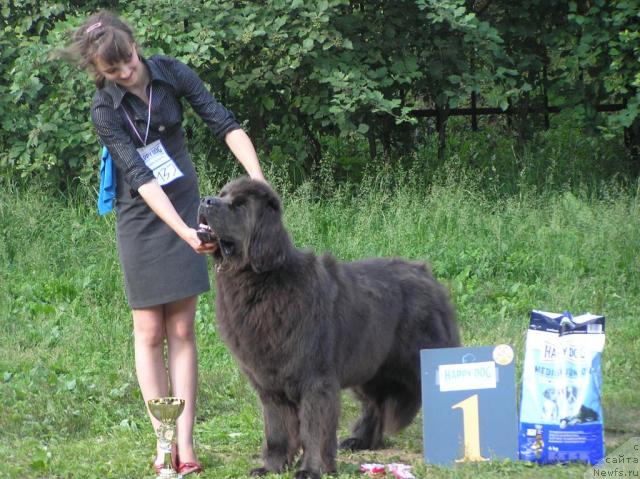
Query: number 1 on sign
[[471, 425]]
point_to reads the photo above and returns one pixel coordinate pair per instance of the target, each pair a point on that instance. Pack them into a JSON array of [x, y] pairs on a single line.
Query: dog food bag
[[560, 410]]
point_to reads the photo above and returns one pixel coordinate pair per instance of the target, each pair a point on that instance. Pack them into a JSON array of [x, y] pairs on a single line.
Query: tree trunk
[[442, 113], [632, 142], [373, 148]]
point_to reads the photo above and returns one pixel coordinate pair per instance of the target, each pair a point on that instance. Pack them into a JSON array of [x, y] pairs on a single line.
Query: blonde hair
[[103, 35]]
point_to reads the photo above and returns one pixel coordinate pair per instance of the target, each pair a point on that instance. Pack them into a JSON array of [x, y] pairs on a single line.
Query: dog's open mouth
[[204, 231], [207, 235]]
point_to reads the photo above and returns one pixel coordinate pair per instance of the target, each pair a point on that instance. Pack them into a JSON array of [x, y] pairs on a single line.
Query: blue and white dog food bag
[[561, 411]]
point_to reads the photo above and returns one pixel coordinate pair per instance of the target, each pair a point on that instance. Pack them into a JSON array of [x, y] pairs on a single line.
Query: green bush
[[306, 77]]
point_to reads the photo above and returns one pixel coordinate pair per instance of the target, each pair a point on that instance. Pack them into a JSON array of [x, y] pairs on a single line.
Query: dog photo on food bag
[[302, 327]]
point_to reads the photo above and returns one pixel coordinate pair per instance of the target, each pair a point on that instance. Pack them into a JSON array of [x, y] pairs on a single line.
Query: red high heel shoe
[[185, 468]]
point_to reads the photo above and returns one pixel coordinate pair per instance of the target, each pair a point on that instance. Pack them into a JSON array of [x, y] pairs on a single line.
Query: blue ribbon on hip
[[107, 193]]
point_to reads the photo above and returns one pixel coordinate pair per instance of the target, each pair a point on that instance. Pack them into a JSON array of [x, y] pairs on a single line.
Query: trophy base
[[168, 474]]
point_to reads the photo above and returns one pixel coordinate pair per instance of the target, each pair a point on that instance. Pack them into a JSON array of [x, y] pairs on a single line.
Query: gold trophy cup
[[166, 410]]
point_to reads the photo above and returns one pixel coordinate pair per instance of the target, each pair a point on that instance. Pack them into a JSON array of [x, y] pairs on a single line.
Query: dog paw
[[306, 475], [258, 472], [352, 444]]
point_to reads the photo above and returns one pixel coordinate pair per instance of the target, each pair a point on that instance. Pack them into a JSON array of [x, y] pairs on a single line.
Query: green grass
[[71, 407]]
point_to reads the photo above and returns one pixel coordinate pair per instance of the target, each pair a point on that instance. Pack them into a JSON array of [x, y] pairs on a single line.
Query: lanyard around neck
[[135, 130]]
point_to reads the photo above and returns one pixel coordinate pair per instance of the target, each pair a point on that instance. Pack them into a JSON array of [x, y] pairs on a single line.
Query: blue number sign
[[469, 404]]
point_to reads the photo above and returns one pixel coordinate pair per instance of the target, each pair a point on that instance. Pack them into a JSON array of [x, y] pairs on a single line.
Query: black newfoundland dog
[[303, 327]]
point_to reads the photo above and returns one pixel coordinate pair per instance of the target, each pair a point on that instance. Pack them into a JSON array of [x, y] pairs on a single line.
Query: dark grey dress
[[159, 267]]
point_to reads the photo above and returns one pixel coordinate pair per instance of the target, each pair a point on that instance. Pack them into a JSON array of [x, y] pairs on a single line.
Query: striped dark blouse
[[171, 80]]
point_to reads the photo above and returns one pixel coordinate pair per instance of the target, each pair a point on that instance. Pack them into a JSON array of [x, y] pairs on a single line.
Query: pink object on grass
[[401, 471], [373, 470]]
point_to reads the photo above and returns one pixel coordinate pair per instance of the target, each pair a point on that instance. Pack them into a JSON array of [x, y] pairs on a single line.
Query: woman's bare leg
[[149, 333], [183, 368]]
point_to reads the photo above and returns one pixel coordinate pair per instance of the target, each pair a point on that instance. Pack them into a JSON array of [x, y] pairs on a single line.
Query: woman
[[137, 114]]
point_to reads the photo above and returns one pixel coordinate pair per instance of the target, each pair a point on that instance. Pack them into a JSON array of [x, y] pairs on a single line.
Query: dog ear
[[269, 243]]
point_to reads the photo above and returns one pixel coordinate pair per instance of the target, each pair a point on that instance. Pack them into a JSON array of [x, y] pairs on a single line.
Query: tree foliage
[[298, 72]]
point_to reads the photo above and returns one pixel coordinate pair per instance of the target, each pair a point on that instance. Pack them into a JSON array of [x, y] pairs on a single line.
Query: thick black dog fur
[[303, 327]]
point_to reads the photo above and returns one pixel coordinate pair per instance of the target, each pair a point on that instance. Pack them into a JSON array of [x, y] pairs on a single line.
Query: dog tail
[[400, 409]]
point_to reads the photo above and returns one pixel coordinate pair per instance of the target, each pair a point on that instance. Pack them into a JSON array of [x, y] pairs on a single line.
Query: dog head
[[246, 221]]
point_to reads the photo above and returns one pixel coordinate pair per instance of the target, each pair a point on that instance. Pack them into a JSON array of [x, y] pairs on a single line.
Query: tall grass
[[70, 401]]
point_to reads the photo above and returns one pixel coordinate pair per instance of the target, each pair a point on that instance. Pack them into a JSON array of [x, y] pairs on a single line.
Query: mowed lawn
[[70, 402]]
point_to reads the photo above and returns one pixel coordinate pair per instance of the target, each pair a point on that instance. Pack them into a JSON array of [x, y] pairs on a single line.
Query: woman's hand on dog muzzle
[[191, 237]]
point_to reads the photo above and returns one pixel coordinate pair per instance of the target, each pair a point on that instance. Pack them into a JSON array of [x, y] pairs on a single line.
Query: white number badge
[[157, 159]]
